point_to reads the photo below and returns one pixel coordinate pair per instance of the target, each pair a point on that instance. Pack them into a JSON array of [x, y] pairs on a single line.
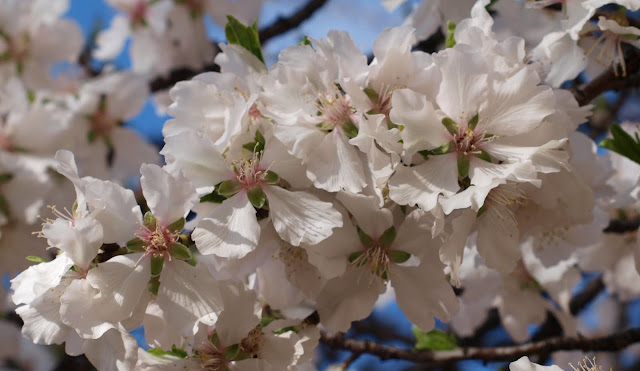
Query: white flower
[[524, 364]]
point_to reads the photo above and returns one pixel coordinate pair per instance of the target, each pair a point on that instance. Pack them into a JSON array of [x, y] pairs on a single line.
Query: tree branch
[[510, 353], [285, 24], [609, 81]]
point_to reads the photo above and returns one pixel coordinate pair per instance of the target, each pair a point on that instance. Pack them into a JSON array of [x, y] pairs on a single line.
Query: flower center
[[211, 358], [504, 200], [376, 258], [138, 13], [334, 107], [248, 172], [157, 240], [469, 142], [610, 50]]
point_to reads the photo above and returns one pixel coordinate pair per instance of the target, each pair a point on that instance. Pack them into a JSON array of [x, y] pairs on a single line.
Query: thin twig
[[438, 358], [284, 24]]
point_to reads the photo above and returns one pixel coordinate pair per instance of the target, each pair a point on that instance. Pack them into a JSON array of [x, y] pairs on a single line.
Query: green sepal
[[135, 245], [433, 340], [463, 166], [398, 257], [257, 197], [154, 285], [149, 220], [177, 226], [388, 237], [452, 126], [474, 121], [229, 188], [354, 256], [481, 211], [403, 208], [325, 126], [215, 339], [5, 177], [4, 206], [193, 261], [365, 239], [257, 145], [157, 262], [231, 352], [442, 150], [31, 96], [483, 155], [213, 197], [36, 259], [245, 36], [372, 94], [350, 129], [91, 136], [179, 251], [176, 352], [271, 178], [450, 41]]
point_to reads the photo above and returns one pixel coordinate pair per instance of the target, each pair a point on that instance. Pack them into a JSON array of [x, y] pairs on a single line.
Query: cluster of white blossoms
[[292, 197]]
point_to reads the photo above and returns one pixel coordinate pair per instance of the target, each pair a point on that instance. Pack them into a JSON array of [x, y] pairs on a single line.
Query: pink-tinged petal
[[80, 241], [422, 184], [422, 128], [367, 214], [188, 295], [300, 217], [39, 278], [230, 231], [335, 164], [464, 82], [116, 350], [169, 197], [348, 298], [434, 297]]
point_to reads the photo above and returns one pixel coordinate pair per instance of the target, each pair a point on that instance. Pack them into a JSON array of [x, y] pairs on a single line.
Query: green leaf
[[149, 220], [271, 178], [257, 197], [463, 166], [623, 144], [350, 129], [179, 251], [305, 41], [450, 41], [177, 226], [365, 239], [433, 340], [398, 257], [229, 188], [135, 245], [156, 265], [246, 37], [451, 125], [36, 259], [387, 237]]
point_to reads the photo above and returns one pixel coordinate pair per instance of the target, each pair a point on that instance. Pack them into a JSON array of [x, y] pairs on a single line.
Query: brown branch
[[510, 353], [285, 24], [609, 81], [179, 74]]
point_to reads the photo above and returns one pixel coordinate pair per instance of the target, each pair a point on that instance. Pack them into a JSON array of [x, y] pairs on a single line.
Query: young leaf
[[623, 144], [433, 340], [450, 42], [245, 36]]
